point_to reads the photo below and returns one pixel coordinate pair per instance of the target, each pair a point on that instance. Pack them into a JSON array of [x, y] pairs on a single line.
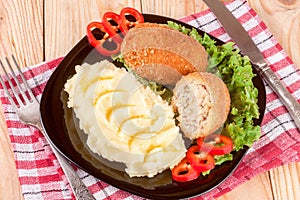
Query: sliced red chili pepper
[[99, 43], [215, 144], [184, 172], [111, 23], [200, 161], [124, 23]]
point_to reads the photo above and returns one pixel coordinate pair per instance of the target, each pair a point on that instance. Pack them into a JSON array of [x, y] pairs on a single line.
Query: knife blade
[[244, 42]]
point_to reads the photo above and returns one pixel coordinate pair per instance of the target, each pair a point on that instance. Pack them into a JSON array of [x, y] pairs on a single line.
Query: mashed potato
[[124, 120]]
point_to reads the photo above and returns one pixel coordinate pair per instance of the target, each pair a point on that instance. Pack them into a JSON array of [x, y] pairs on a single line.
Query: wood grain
[[45, 29], [21, 25], [283, 19], [257, 188], [166, 8], [65, 21], [285, 181]]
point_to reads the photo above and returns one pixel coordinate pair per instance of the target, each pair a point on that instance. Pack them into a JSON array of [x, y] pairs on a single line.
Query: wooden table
[[41, 30]]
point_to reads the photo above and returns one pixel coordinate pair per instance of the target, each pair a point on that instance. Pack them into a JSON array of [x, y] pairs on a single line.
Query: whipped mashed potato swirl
[[124, 120]]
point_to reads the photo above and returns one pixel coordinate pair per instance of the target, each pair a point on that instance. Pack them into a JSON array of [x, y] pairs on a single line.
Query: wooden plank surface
[[283, 19], [45, 29], [66, 20], [21, 26]]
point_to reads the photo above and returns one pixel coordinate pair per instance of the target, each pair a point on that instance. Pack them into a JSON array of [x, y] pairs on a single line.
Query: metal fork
[[28, 111]]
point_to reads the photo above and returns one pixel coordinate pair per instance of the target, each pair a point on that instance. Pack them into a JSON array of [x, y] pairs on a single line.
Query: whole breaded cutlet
[[161, 54]]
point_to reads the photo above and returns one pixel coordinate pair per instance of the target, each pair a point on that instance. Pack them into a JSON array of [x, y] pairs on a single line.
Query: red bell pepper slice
[[99, 43], [184, 172], [200, 161], [124, 23], [215, 144], [111, 24]]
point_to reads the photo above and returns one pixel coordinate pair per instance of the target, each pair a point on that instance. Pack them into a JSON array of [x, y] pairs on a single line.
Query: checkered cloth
[[41, 176]]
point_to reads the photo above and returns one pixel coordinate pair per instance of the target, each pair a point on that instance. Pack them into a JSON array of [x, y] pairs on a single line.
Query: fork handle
[[79, 189]]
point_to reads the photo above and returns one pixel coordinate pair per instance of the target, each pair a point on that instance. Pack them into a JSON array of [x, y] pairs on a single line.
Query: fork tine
[[11, 86], [6, 90], [23, 79], [17, 80]]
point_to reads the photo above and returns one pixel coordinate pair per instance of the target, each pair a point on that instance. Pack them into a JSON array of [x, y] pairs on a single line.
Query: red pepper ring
[[184, 172], [92, 39], [215, 144], [200, 161], [124, 23], [107, 20], [99, 43]]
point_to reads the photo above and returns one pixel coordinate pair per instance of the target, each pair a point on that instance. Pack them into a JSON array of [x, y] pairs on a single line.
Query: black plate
[[62, 130]]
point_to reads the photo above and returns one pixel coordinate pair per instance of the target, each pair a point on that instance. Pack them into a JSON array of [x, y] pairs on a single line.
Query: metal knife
[[249, 48]]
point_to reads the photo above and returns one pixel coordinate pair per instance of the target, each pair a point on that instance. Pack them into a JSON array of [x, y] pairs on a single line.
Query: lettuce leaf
[[236, 71], [218, 161]]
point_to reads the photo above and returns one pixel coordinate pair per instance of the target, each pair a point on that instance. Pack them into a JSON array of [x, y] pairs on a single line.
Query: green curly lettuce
[[236, 71]]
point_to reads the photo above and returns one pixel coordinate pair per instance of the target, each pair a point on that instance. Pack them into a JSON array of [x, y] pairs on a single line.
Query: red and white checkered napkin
[[42, 178]]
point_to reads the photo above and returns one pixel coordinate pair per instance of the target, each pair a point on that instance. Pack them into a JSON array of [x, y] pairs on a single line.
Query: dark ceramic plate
[[64, 133]]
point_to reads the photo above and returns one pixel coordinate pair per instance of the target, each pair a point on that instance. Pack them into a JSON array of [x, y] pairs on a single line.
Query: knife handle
[[287, 99]]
